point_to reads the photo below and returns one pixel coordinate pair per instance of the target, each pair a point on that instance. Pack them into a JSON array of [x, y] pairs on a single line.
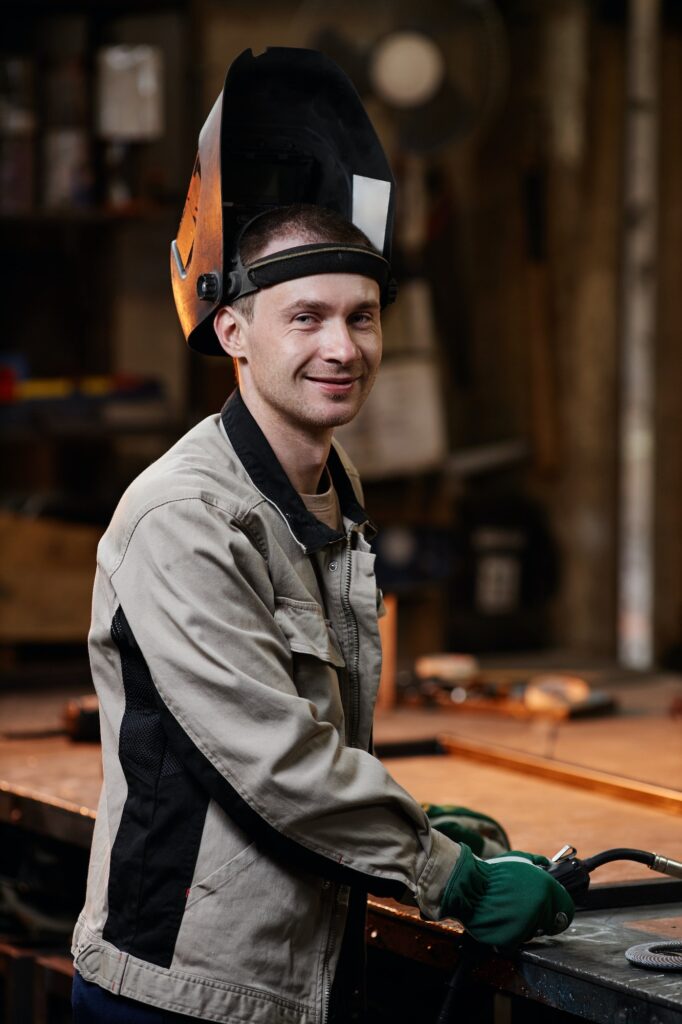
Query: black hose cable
[[619, 853], [472, 953]]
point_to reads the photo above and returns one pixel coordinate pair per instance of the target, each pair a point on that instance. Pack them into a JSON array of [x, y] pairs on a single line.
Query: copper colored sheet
[[643, 742], [541, 815], [578, 776], [661, 927]]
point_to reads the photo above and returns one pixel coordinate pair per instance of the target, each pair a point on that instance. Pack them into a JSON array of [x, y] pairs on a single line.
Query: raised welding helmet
[[287, 128]]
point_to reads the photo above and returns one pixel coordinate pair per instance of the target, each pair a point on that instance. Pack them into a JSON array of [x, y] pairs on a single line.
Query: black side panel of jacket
[[147, 724], [156, 846], [286, 850]]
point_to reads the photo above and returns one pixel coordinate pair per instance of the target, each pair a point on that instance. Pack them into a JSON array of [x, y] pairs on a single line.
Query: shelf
[[50, 431], [94, 216]]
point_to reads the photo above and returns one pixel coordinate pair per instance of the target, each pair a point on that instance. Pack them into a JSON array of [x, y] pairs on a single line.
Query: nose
[[337, 343]]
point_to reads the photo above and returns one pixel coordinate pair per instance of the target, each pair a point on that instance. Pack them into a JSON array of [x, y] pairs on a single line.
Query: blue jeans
[[94, 1005]]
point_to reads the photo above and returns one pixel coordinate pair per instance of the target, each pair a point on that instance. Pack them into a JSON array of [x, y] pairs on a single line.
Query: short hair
[[310, 223]]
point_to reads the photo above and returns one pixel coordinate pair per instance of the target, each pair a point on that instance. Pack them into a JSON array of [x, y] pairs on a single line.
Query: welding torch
[[574, 872]]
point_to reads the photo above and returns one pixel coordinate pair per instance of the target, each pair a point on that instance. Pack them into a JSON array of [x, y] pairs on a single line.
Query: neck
[[302, 454]]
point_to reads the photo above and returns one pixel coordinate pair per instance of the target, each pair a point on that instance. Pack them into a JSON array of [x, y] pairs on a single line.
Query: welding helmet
[[287, 128]]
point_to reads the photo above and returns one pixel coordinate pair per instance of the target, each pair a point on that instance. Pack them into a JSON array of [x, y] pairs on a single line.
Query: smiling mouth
[[335, 383]]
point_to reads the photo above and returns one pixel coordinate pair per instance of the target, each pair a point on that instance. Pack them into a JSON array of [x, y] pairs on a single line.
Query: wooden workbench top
[[51, 785], [641, 741], [540, 815]]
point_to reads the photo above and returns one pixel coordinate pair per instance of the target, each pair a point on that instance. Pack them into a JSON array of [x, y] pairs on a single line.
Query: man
[[236, 654]]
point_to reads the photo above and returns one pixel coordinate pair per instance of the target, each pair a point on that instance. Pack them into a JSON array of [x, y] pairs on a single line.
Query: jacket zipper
[[328, 954], [353, 677], [353, 671]]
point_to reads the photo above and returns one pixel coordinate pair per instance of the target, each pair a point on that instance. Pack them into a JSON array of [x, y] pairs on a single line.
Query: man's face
[[312, 350]]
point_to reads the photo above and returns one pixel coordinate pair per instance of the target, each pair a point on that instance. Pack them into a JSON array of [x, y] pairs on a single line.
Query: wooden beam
[[578, 777]]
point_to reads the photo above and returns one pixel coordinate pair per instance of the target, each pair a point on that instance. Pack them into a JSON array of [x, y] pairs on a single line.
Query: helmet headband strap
[[307, 261]]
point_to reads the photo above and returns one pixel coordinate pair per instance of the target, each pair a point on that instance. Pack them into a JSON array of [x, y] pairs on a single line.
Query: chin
[[338, 416]]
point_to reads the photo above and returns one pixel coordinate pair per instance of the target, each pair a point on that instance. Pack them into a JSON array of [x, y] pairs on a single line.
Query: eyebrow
[[316, 306]]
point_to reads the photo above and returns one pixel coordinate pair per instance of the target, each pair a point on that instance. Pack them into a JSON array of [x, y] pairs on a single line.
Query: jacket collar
[[262, 465]]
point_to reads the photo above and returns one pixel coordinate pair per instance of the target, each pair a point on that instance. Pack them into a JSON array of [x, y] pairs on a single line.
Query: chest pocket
[[307, 630], [317, 660]]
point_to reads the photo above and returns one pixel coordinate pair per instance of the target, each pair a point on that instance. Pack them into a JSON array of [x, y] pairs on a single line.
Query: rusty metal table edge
[[46, 815], [397, 929]]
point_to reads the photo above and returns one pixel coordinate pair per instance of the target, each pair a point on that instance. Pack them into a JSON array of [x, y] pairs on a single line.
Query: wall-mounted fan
[[439, 77]]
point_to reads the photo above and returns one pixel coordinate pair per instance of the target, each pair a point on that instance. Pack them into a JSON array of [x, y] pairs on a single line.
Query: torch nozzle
[[667, 866]]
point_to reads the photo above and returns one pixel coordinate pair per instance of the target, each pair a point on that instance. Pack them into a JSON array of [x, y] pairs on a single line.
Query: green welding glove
[[481, 833], [507, 900]]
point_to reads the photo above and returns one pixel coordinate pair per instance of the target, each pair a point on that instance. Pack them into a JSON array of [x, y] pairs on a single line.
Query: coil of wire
[[656, 956]]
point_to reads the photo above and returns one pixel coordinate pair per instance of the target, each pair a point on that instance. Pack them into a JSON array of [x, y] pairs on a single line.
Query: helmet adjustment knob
[[208, 287]]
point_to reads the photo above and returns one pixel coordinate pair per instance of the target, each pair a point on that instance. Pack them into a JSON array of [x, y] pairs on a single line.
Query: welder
[[234, 642]]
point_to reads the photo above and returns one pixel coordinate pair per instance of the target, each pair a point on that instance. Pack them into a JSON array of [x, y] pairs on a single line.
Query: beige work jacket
[[236, 655]]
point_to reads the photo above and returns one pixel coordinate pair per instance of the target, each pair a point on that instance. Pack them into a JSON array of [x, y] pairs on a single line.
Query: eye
[[304, 318], [363, 319]]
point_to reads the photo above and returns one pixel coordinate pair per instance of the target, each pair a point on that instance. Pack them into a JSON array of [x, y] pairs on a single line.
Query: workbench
[[50, 785]]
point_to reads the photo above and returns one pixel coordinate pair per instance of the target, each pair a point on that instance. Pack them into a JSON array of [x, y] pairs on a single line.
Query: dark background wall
[[524, 260]]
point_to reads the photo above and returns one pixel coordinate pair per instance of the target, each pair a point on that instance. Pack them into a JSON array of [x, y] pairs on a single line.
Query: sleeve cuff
[[433, 879]]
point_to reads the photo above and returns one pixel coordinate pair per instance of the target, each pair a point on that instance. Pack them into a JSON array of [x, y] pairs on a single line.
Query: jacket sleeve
[[198, 602]]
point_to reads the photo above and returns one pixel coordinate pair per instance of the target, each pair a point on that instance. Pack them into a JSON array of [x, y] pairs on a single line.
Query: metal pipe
[[667, 866], [638, 338]]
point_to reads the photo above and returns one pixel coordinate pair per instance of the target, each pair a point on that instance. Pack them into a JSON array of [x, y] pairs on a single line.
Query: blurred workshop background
[[521, 450]]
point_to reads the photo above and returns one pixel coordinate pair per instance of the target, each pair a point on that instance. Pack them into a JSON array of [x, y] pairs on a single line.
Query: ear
[[229, 327]]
